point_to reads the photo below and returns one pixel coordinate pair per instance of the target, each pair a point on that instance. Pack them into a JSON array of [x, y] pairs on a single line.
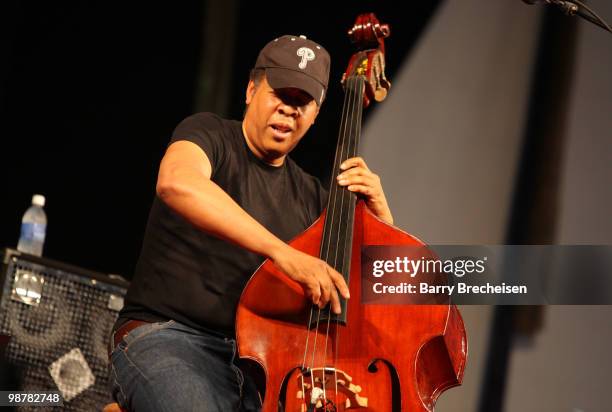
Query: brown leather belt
[[126, 328]]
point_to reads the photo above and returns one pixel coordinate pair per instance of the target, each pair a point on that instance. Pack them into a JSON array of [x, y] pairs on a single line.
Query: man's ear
[[316, 114], [250, 92]]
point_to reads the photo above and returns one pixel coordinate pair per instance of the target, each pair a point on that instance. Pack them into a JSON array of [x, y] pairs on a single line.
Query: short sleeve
[[205, 130]]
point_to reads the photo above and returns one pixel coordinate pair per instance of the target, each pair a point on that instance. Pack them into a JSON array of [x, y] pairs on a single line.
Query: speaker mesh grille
[[59, 342]]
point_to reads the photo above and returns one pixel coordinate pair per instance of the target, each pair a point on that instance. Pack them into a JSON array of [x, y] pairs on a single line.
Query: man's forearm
[[209, 208]]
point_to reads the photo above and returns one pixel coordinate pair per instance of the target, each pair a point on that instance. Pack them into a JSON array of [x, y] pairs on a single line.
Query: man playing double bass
[[228, 196]]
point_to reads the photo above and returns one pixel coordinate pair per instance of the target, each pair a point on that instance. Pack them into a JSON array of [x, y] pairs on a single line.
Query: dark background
[[91, 91]]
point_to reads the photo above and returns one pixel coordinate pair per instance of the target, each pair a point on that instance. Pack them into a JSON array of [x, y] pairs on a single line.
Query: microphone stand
[[577, 8]]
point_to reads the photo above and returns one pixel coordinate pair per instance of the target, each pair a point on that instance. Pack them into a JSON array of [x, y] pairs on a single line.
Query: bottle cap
[[38, 200]]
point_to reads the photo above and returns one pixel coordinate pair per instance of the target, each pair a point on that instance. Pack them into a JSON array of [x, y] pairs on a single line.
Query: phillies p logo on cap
[[295, 61]]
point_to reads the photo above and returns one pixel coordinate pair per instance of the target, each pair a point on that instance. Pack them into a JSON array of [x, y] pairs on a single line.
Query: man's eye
[[293, 99]]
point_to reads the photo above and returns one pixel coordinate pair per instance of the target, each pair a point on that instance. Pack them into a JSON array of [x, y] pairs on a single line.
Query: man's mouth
[[281, 130]]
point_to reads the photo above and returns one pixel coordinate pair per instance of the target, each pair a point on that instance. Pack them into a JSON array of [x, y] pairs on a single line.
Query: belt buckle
[[111, 344]]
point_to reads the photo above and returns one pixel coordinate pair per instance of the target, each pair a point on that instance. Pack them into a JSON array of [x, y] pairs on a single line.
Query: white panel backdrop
[[446, 145]]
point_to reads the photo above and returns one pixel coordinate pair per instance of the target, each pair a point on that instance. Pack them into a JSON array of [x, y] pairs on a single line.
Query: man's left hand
[[357, 178]]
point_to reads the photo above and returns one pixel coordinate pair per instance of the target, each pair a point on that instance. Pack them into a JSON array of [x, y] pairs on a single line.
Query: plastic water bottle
[[33, 227]]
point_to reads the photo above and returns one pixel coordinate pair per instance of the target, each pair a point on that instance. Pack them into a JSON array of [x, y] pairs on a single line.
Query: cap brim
[[279, 78]]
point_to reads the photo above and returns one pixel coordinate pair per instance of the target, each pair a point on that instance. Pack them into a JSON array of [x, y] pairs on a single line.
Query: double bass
[[371, 357]]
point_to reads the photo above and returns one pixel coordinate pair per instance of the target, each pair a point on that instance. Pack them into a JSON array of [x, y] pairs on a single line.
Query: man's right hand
[[320, 281]]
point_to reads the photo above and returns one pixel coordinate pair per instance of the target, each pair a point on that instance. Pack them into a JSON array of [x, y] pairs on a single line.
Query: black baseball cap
[[295, 61]]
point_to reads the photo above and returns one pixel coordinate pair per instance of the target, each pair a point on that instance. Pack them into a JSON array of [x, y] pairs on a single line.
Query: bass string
[[345, 210], [348, 213], [345, 136], [327, 231]]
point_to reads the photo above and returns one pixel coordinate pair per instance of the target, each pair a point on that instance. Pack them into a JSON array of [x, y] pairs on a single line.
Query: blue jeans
[[167, 366]]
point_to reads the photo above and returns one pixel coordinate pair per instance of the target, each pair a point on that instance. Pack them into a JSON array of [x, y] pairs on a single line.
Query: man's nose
[[289, 110]]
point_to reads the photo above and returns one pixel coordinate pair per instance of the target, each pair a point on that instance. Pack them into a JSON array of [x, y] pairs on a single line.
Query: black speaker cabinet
[[59, 317]]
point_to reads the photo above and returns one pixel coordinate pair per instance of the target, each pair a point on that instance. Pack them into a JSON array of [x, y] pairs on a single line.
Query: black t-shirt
[[194, 278]]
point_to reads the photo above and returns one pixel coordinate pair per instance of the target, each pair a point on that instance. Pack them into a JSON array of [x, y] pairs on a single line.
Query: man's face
[[276, 120]]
